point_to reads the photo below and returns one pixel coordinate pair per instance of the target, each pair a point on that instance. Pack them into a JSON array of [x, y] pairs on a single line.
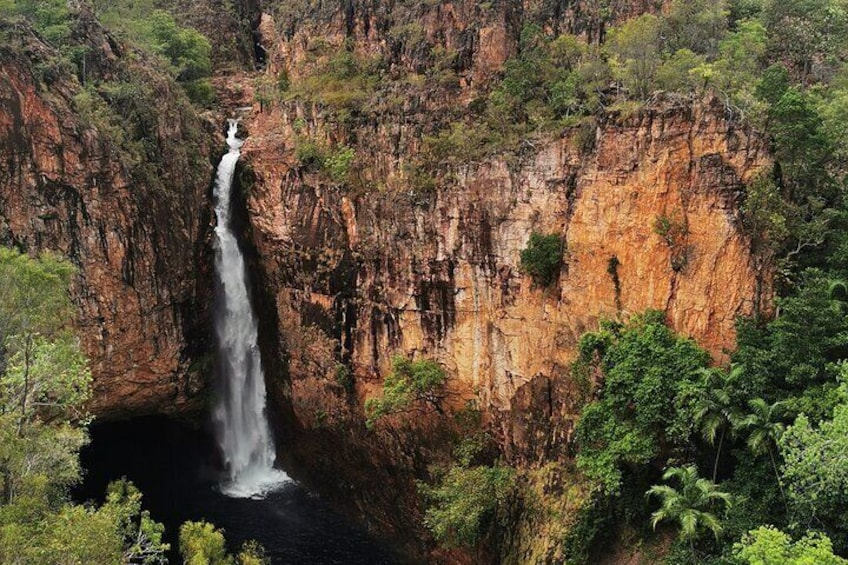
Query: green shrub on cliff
[[411, 386], [542, 258], [341, 82], [466, 501]]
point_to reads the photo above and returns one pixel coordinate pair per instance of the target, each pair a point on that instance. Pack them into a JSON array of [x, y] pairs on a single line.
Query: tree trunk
[[777, 475], [27, 352], [718, 452]]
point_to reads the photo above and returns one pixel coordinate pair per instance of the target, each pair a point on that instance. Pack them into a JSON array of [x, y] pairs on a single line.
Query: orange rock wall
[[138, 247]]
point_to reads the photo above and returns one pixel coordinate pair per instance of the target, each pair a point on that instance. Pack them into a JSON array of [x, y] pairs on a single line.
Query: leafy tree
[[634, 49], [410, 386], [806, 32], [815, 470], [764, 428], [642, 409], [764, 217], [186, 48], [201, 543], [691, 505], [800, 145], [769, 546], [45, 381], [141, 536], [44, 385], [697, 26], [465, 502], [736, 72], [678, 72], [792, 357], [542, 258]]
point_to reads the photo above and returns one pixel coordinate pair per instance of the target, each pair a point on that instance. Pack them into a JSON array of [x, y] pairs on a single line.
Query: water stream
[[240, 419]]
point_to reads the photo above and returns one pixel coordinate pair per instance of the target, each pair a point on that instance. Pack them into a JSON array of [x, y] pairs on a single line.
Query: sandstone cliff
[[75, 179], [357, 273], [347, 274]]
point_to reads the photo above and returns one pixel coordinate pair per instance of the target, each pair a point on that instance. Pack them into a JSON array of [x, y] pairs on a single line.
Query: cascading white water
[[242, 425]]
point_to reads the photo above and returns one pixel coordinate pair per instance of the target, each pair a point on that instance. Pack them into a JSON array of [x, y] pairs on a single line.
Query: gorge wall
[[357, 272], [348, 274], [134, 220], [360, 275]]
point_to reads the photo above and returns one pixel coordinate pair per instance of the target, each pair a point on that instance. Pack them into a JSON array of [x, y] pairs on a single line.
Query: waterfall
[[242, 425]]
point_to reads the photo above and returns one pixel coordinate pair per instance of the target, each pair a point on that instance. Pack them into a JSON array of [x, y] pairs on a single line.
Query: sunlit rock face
[[361, 275], [356, 276]]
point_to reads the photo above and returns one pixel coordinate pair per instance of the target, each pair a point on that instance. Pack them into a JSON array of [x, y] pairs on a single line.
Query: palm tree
[[690, 504], [764, 429], [715, 412]]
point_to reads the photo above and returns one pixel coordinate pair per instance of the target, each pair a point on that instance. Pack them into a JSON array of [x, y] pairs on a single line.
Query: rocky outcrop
[[134, 224]]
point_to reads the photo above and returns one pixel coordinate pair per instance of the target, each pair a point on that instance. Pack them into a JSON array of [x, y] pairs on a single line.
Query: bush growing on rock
[[412, 385], [465, 502], [542, 258]]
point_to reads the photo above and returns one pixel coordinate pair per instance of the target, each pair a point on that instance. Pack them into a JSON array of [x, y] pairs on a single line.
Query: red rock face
[[362, 275], [358, 276], [137, 243], [444, 280]]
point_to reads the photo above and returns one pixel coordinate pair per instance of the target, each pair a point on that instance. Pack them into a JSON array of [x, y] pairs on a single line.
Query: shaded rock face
[[138, 241]]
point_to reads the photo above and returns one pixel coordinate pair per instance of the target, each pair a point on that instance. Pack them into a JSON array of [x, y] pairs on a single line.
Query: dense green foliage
[[468, 499], [412, 385], [659, 402], [44, 384], [465, 501], [815, 469], [542, 258], [650, 375], [50, 17], [185, 52], [769, 546]]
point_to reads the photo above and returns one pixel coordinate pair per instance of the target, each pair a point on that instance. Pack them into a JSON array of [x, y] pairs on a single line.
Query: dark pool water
[[174, 466]]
